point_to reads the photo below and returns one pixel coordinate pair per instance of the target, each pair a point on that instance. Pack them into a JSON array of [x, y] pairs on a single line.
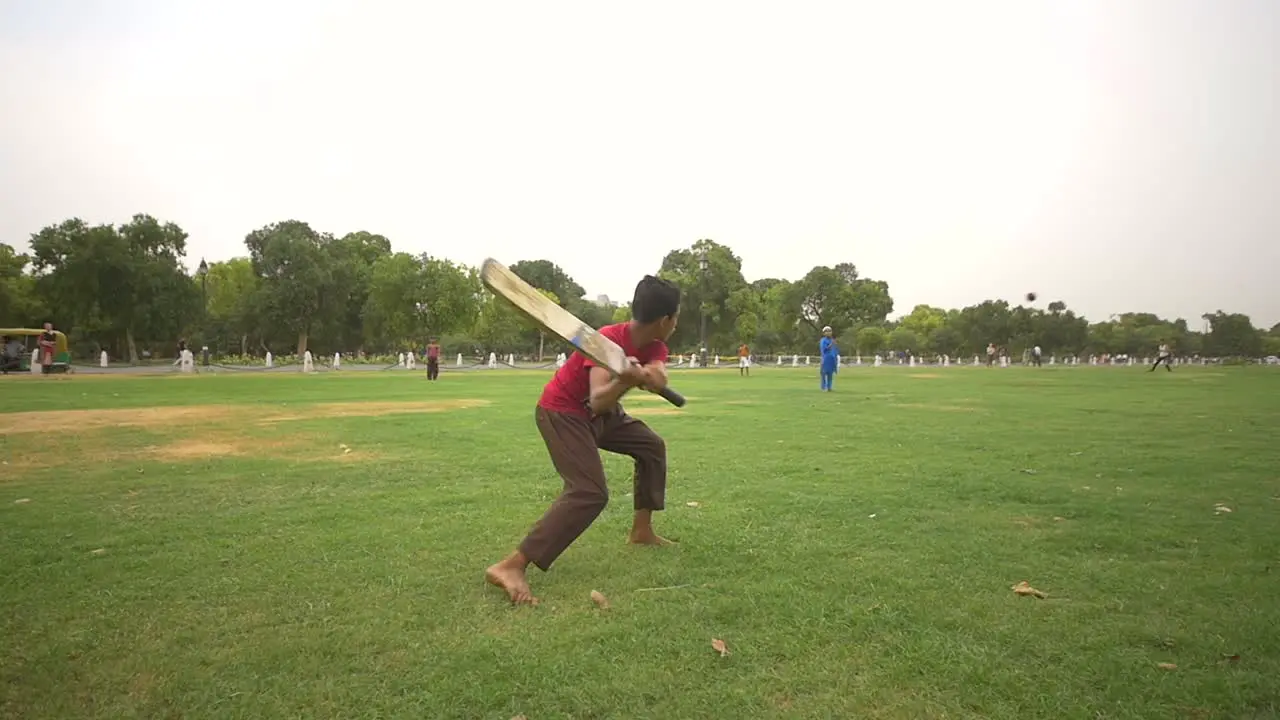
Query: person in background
[[433, 359], [11, 356], [744, 359], [830, 356], [1035, 356], [48, 341], [1164, 357]]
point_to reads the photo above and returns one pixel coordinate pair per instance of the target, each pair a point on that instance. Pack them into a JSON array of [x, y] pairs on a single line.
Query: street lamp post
[[203, 272], [702, 334]]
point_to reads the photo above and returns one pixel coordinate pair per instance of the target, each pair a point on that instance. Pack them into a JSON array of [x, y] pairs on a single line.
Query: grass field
[[250, 546]]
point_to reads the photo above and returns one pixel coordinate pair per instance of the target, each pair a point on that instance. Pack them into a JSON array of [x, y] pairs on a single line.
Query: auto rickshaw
[[30, 340]]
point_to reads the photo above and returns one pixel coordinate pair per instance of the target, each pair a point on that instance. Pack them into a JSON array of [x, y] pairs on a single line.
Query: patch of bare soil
[[375, 409], [54, 421]]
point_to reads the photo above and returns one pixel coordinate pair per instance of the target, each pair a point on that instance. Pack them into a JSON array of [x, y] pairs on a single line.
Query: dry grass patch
[[53, 421]]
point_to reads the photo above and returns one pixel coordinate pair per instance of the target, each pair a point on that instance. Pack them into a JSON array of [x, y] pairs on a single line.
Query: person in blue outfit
[[830, 357]]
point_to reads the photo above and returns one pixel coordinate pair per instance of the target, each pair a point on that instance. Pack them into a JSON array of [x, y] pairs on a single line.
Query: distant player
[[830, 356], [578, 415], [1035, 356], [744, 360], [433, 359], [47, 342], [1164, 356], [991, 354]]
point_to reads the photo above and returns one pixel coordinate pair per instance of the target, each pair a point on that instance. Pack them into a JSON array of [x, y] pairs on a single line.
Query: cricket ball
[[1031, 297]]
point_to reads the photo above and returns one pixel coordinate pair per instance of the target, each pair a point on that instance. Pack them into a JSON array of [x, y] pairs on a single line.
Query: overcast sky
[[1120, 155]]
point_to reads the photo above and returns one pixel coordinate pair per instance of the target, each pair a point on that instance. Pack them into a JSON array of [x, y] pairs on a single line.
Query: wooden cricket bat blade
[[539, 308]]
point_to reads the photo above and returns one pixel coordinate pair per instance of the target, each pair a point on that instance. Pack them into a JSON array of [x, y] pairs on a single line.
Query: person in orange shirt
[[744, 359]]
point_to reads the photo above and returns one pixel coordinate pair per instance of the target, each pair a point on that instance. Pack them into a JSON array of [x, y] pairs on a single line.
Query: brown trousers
[[574, 443]]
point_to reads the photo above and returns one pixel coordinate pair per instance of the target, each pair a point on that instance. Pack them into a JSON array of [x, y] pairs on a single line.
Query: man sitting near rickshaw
[[11, 355]]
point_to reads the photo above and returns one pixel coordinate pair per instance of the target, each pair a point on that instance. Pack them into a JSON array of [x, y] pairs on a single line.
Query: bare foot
[[513, 581], [647, 537]]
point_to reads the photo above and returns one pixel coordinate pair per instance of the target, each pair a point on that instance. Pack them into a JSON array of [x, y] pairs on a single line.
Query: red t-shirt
[[570, 388]]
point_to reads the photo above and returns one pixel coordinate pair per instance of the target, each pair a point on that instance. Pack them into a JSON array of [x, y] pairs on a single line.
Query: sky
[[1117, 155]]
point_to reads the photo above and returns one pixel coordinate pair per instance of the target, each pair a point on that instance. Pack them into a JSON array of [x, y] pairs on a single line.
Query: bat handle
[[672, 396]]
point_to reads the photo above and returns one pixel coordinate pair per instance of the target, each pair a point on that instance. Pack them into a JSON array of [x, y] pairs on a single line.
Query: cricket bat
[[603, 351]]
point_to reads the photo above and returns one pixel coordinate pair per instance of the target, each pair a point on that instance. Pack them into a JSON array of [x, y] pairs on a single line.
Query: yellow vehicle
[[30, 340]]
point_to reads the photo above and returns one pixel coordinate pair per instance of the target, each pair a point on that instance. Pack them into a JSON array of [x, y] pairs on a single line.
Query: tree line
[[124, 289]]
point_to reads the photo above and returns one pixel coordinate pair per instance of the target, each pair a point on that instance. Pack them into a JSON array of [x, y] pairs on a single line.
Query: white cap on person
[[826, 328]]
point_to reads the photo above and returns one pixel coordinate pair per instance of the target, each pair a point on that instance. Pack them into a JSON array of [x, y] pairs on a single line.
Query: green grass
[[295, 579]]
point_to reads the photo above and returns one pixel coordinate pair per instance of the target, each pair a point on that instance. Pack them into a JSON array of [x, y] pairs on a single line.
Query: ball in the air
[[1031, 297]]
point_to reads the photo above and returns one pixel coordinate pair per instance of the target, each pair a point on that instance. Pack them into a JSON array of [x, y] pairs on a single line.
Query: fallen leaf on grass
[[519, 717], [1167, 666], [1023, 588], [22, 501], [1058, 519], [693, 504], [99, 551], [1220, 508], [1230, 658], [719, 646], [599, 599], [1029, 471]]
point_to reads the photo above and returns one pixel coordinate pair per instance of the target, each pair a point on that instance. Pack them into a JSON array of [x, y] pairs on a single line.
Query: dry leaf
[[693, 504], [1058, 519], [1231, 658], [1167, 666], [1023, 588], [599, 599], [719, 646], [519, 717], [22, 501], [99, 551], [1220, 508]]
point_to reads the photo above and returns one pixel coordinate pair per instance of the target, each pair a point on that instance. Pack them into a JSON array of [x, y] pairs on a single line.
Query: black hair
[[655, 299]]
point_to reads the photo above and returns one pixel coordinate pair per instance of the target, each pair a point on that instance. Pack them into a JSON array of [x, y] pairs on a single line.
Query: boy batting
[[578, 415]]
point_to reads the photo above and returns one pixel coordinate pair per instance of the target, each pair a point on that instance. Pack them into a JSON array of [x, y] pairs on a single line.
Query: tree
[[1232, 335], [499, 325], [904, 340], [871, 340], [20, 305], [352, 258], [290, 260], [546, 275], [925, 321], [127, 280], [838, 297], [412, 297], [748, 327], [704, 292], [232, 295]]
